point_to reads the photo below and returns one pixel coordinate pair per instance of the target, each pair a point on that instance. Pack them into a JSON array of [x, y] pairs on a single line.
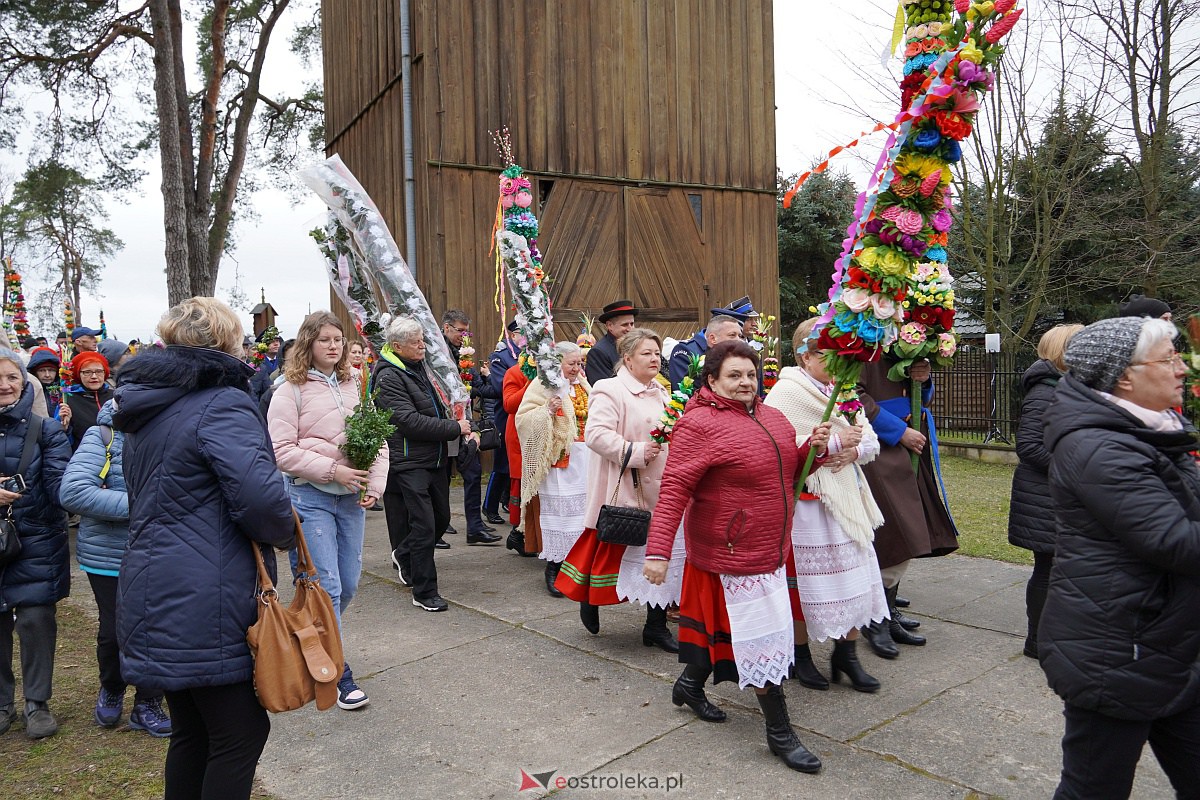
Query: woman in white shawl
[[837, 573], [554, 459]]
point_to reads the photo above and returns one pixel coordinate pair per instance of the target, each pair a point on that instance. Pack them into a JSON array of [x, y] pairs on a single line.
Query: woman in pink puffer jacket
[[307, 421]]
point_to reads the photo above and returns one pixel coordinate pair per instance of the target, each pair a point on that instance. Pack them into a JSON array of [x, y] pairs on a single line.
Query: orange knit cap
[[83, 359]]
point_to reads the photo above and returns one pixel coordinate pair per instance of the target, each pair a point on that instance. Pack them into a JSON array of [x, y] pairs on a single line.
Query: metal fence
[[978, 397]]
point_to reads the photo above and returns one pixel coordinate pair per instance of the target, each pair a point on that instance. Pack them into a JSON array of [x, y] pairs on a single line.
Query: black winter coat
[[1120, 632], [41, 574], [203, 487], [1031, 512], [424, 429]]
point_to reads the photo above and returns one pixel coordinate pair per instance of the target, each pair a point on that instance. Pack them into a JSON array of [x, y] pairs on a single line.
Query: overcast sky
[[816, 97]]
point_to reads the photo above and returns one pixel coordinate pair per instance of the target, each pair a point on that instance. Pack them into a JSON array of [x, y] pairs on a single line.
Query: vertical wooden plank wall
[[670, 93]]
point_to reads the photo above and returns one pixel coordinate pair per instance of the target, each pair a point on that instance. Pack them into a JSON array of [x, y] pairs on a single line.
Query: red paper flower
[[952, 124]]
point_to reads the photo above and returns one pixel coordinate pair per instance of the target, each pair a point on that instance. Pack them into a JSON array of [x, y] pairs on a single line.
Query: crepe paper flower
[[1004, 6], [952, 124], [947, 345], [961, 6], [883, 306], [971, 52], [909, 221], [507, 185], [856, 299], [927, 139], [912, 333], [891, 213], [1002, 26]]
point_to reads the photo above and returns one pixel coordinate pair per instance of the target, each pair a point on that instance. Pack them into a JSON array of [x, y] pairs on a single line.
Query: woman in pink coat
[[622, 411], [307, 421]]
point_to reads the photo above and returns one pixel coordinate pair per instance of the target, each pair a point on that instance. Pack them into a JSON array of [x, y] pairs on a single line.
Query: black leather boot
[[589, 615], [900, 634], [551, 577], [656, 633], [516, 541], [906, 622], [901, 602], [879, 637], [805, 671], [781, 739], [845, 659], [689, 689]]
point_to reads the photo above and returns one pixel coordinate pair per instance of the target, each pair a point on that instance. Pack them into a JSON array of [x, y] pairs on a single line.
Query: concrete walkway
[[508, 680]]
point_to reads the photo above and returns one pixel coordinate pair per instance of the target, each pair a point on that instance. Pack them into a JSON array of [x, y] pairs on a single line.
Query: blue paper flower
[[927, 139], [953, 151], [936, 253], [847, 321], [871, 329]]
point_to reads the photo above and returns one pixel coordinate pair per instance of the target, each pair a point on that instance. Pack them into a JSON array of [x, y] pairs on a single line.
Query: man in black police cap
[[743, 311], [618, 318]]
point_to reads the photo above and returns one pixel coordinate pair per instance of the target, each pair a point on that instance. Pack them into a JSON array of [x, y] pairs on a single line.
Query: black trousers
[[471, 471], [37, 628], [108, 657], [497, 488], [217, 735], [417, 506], [1035, 595], [1100, 753]]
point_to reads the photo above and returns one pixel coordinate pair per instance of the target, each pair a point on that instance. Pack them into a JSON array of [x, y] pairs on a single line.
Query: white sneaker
[[405, 580]]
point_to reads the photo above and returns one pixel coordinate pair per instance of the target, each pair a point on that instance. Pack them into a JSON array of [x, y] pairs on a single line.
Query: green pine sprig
[[366, 431]]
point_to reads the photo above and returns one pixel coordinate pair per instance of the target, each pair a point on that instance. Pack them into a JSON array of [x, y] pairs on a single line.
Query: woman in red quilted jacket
[[732, 466]]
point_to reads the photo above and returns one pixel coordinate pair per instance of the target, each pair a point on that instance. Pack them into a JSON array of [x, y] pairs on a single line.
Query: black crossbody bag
[[624, 524]]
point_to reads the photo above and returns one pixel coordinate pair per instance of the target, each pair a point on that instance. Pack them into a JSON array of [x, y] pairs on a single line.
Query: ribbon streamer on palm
[[515, 233], [364, 265], [891, 285]]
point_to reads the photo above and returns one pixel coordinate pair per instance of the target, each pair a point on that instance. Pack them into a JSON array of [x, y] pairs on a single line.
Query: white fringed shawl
[[544, 437], [844, 493]]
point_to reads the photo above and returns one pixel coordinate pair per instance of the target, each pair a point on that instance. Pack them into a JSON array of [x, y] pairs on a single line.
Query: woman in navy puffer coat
[[94, 488], [203, 491], [39, 577]]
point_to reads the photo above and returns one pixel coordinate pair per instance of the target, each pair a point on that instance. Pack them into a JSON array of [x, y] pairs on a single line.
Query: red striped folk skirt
[[704, 635], [589, 575]]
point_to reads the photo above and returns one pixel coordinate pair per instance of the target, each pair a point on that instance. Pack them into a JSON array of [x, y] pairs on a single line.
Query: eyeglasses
[[1174, 360], [91, 373], [339, 341], [458, 330]]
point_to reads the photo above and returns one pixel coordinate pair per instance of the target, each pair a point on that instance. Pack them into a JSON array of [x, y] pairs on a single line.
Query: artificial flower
[[856, 299], [971, 52]]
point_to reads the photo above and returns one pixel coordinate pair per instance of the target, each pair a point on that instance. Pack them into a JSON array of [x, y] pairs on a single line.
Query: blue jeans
[[333, 527]]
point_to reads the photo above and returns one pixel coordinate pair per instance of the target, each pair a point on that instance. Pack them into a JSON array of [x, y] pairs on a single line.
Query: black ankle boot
[[906, 622], [900, 634], [879, 637], [656, 633], [901, 602], [551, 577], [845, 659], [689, 689], [781, 739], [805, 671], [516, 541], [589, 615]]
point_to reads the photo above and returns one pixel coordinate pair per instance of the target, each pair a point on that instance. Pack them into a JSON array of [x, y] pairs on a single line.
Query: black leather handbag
[[10, 540], [624, 524], [489, 437]]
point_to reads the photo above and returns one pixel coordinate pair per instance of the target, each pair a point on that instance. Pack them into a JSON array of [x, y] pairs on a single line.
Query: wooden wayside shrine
[[647, 128]]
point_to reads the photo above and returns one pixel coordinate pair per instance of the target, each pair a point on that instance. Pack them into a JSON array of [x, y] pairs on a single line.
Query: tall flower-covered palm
[[892, 286], [517, 257]]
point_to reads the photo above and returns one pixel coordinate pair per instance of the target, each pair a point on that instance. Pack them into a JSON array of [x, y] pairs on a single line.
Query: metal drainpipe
[[410, 193]]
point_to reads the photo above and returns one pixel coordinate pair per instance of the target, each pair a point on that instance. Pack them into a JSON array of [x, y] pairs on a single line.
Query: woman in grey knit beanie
[[1119, 638]]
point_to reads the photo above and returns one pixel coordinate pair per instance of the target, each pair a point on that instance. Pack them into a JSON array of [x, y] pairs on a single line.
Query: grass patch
[[979, 494], [82, 760]]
